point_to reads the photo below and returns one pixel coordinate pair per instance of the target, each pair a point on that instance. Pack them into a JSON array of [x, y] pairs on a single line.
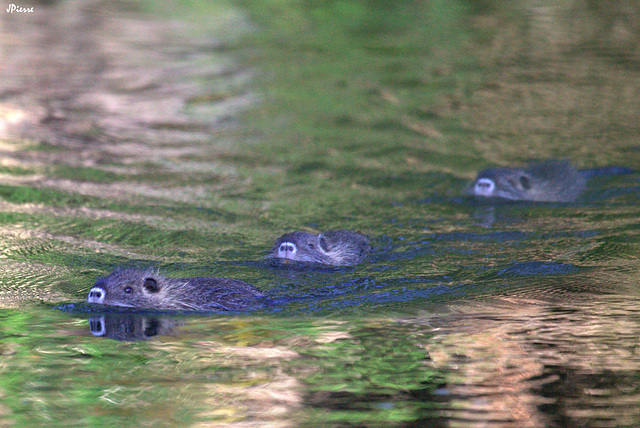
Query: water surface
[[188, 139]]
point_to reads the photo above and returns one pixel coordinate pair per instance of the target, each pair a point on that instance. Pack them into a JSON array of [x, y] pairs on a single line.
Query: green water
[[189, 138]]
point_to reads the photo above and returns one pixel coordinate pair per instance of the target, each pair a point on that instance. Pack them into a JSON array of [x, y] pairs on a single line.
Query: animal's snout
[[96, 295], [485, 187], [287, 250]]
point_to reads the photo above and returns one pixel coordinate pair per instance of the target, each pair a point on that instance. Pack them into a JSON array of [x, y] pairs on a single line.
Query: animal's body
[[548, 181], [147, 289]]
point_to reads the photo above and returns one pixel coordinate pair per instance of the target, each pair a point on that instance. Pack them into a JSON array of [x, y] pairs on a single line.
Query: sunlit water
[[188, 140]]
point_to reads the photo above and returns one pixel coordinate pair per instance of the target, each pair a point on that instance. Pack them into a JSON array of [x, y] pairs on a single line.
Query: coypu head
[[132, 288], [147, 289], [338, 248], [502, 183], [547, 181], [300, 246]]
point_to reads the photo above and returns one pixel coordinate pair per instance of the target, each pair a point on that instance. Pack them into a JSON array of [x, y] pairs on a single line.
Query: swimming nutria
[[147, 289], [335, 247], [548, 181]]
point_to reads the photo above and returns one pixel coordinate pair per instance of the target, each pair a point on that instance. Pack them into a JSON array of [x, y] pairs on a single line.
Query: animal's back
[[221, 293], [351, 247], [555, 181]]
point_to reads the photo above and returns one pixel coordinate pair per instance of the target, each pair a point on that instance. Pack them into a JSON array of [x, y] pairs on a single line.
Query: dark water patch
[[403, 253], [295, 266], [607, 171], [433, 184], [538, 269], [368, 296], [618, 195], [498, 237], [84, 308], [577, 389]]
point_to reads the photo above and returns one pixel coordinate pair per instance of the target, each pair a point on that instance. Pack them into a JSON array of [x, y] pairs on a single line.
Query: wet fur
[[335, 247], [548, 181], [150, 290]]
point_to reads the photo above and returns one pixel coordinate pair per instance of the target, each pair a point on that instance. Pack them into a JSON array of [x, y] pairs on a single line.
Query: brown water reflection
[[514, 361], [523, 362]]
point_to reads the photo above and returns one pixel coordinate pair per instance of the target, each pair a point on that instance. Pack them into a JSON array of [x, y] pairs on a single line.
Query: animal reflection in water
[[131, 327]]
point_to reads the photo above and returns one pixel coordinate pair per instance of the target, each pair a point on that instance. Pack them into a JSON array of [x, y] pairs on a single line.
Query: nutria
[[335, 247], [548, 181], [147, 289]]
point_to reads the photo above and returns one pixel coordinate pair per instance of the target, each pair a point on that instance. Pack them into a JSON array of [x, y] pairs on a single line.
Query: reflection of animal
[[548, 181], [146, 289], [131, 326], [335, 247]]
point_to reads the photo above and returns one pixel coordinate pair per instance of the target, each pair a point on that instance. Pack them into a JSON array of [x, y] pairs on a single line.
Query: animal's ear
[[324, 245], [525, 182], [151, 285]]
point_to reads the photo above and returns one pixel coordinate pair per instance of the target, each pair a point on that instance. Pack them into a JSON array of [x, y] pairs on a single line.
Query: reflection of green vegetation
[[51, 376], [351, 77], [52, 372], [360, 106], [85, 174], [372, 376], [26, 194]]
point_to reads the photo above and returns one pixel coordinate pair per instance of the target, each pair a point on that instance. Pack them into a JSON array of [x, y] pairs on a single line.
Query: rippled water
[[137, 134]]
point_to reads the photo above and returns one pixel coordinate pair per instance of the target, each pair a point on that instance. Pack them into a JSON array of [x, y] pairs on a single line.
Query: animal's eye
[[311, 246], [128, 290]]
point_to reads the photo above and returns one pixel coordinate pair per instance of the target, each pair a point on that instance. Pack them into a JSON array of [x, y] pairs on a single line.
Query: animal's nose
[[287, 247], [96, 295], [484, 187], [286, 250]]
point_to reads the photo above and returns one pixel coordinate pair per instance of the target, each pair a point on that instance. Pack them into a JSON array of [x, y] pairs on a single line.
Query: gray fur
[[335, 247], [147, 289], [548, 181]]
